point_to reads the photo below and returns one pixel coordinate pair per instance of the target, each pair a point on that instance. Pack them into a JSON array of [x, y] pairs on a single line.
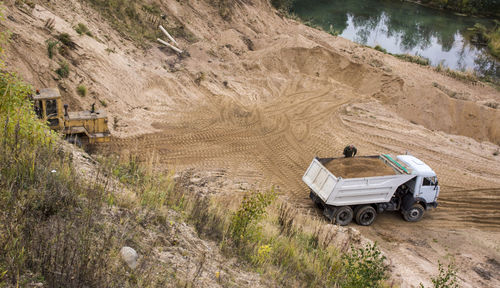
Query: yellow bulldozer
[[82, 128]]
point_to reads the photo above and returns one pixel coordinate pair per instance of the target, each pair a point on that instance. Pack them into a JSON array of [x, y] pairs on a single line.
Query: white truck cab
[[425, 185]]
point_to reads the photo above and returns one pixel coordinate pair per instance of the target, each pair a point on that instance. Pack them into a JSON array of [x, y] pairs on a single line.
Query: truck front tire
[[365, 215], [414, 214], [344, 215]]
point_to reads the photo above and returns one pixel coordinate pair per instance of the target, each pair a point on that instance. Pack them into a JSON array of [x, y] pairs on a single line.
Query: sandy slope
[[274, 94]]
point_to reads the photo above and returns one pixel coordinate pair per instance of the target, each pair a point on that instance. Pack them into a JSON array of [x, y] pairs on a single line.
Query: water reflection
[[402, 27]]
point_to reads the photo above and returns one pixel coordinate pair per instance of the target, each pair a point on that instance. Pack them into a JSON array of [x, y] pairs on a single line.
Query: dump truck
[[82, 128], [367, 185]]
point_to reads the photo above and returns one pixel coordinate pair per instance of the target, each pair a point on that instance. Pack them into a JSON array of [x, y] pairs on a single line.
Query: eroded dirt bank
[[261, 95]]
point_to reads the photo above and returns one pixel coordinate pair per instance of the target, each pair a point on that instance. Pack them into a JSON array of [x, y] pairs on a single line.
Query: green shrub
[[66, 40], [82, 29], [63, 70], [251, 210], [81, 90], [103, 103], [364, 267], [51, 46], [445, 279], [379, 48]]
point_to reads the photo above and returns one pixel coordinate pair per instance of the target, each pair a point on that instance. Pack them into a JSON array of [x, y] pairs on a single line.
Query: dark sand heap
[[357, 167]]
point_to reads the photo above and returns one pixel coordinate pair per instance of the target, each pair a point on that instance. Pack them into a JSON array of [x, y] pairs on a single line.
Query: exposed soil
[[358, 167], [262, 114]]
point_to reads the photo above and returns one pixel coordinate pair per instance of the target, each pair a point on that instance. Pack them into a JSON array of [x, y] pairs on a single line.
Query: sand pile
[[358, 167]]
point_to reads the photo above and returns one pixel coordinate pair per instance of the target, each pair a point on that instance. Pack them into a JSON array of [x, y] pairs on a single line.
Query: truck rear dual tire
[[414, 214], [344, 215], [365, 215]]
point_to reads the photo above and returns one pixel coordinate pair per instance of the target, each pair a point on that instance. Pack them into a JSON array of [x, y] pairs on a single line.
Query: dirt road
[[272, 142]]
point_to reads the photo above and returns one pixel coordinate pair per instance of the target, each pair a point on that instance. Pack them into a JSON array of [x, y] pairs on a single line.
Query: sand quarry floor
[[261, 95]]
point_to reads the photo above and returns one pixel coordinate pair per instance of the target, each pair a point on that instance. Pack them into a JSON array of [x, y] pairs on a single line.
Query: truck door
[[429, 189]]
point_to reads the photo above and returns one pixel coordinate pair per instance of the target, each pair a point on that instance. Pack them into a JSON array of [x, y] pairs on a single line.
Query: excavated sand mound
[[358, 167]]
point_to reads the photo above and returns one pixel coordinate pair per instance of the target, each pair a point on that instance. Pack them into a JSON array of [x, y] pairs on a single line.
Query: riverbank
[[406, 28]]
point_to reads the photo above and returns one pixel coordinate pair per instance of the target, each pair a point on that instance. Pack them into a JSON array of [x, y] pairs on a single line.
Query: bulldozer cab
[[48, 107]]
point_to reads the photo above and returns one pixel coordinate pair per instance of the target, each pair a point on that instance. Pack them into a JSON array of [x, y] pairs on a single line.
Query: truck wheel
[[344, 215], [366, 215], [414, 214]]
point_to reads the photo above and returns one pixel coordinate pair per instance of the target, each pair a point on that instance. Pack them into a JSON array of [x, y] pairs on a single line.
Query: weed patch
[[63, 70], [81, 90], [82, 29]]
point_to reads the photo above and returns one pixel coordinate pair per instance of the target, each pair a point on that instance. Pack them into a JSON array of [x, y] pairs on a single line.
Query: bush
[[81, 90], [251, 210], [445, 279], [364, 267], [63, 70], [379, 48], [51, 46], [82, 29], [66, 40]]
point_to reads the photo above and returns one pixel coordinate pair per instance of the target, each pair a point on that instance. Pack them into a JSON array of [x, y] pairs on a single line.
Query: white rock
[[129, 256]]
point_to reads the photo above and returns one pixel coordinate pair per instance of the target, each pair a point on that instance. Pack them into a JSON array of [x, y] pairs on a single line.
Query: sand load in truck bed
[[358, 167]]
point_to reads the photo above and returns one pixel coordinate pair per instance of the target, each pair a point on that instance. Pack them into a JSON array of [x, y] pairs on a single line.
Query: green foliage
[[364, 267], [103, 103], [81, 90], [154, 189], [446, 278], [63, 70], [82, 29], [489, 37], [379, 48], [66, 40], [252, 209], [51, 46]]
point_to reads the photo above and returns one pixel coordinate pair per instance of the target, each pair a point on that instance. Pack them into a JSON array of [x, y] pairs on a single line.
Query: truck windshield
[[429, 181]]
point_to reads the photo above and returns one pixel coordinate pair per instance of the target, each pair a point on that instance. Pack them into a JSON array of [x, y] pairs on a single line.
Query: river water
[[402, 27]]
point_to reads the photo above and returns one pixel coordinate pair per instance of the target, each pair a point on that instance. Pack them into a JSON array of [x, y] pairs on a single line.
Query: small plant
[[63, 70], [51, 46], [81, 90], [66, 40], [103, 103], [82, 29], [252, 209], [445, 279], [363, 267], [379, 48]]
